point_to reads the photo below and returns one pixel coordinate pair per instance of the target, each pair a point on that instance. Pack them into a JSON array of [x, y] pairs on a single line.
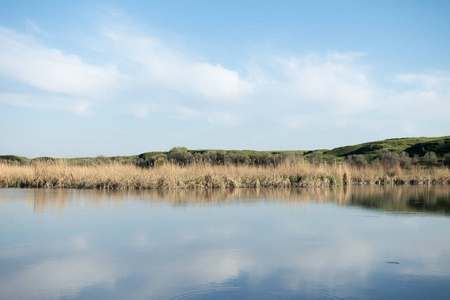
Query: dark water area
[[358, 243]]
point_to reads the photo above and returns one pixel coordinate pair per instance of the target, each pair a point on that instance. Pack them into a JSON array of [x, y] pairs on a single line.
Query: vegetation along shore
[[395, 161]]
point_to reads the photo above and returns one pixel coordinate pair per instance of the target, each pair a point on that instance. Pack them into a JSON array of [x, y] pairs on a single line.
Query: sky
[[89, 78]]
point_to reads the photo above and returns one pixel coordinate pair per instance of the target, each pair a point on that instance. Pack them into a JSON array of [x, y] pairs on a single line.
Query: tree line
[[383, 157]]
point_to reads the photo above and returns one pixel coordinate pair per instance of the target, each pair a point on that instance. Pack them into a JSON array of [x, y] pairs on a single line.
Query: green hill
[[13, 158], [440, 146], [412, 146]]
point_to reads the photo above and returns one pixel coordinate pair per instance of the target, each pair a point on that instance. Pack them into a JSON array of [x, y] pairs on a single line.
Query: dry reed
[[60, 174]]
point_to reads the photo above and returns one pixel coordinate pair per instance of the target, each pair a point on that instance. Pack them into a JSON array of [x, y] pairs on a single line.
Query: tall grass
[[60, 174]]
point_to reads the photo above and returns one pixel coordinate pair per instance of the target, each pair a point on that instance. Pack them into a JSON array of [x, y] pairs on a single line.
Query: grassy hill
[[439, 146], [14, 158], [412, 146]]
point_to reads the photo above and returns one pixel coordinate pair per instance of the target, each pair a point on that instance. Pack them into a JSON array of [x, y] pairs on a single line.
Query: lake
[[368, 242]]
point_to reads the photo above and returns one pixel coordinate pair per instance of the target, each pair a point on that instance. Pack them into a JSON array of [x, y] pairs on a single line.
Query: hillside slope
[[412, 146]]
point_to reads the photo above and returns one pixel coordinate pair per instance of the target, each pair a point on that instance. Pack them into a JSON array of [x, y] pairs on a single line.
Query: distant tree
[[430, 159], [179, 155]]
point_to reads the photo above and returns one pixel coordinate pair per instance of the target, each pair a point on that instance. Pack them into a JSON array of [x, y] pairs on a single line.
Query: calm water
[[241, 244]]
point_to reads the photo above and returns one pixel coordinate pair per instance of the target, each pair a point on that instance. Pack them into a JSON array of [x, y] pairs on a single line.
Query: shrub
[[359, 161], [179, 155], [331, 160], [387, 158], [158, 160], [237, 159], [405, 160], [101, 160], [260, 158], [315, 158], [215, 157], [430, 159], [447, 161]]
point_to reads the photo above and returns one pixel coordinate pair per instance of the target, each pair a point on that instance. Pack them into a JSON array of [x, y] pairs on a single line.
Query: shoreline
[[118, 176]]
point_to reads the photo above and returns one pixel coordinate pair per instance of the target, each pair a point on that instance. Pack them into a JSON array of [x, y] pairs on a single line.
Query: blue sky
[[88, 78]]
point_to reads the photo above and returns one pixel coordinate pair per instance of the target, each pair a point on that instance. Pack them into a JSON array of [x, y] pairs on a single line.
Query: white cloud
[[428, 81], [330, 81], [426, 97], [149, 79], [48, 69], [75, 105], [293, 121], [159, 67], [223, 118], [53, 279]]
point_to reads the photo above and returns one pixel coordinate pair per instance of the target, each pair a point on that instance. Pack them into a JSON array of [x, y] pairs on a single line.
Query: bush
[[405, 160], [430, 159], [315, 158], [237, 159], [387, 158], [331, 160], [447, 161], [101, 160], [215, 157], [179, 155], [359, 161], [260, 158], [158, 160]]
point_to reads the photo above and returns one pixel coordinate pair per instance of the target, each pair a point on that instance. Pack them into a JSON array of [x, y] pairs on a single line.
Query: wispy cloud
[[423, 94], [52, 73], [147, 77], [27, 61], [329, 82], [46, 101], [155, 65], [34, 28]]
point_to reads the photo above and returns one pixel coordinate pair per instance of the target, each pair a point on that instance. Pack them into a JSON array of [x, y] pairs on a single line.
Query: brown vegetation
[[434, 198], [291, 173]]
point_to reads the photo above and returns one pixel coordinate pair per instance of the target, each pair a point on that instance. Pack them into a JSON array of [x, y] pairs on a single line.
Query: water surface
[[363, 242]]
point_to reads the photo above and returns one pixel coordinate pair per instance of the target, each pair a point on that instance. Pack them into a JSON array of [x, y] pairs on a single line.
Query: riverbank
[[195, 176]]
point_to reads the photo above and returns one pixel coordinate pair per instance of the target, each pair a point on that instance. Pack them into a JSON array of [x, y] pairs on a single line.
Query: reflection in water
[[390, 198], [225, 244]]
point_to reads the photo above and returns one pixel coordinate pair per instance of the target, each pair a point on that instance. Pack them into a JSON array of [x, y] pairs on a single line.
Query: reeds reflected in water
[[433, 199]]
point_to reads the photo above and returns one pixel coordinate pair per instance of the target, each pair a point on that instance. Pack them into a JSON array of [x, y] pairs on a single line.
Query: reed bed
[[60, 174]]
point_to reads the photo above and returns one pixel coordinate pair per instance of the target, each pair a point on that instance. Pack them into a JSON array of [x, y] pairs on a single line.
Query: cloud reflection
[[159, 244], [54, 279]]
